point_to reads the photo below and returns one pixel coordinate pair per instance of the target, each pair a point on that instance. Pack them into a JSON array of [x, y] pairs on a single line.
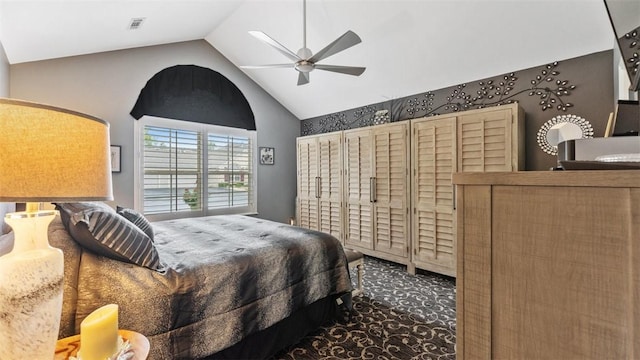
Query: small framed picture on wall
[[115, 158], [267, 156]]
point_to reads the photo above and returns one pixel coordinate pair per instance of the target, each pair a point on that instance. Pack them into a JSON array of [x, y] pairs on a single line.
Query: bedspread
[[223, 277]]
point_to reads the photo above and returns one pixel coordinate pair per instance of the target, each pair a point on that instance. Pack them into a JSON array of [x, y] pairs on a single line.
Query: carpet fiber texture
[[399, 316]]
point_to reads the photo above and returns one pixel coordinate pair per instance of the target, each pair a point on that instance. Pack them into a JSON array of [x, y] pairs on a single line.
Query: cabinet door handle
[[317, 187], [375, 189], [372, 189], [454, 197]]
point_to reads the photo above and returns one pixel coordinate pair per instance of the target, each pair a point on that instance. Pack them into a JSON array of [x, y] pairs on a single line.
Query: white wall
[[107, 85]]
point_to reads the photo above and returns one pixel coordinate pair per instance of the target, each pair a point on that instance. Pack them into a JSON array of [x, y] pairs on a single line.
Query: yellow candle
[[99, 333]]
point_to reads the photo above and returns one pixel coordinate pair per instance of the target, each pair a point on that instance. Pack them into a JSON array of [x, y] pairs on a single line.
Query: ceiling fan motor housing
[[304, 66], [304, 53]]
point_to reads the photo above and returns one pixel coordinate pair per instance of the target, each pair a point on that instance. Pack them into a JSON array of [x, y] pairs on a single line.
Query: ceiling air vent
[[136, 23]]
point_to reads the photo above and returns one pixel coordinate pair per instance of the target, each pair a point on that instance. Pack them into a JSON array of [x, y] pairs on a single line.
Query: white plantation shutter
[[483, 141], [358, 191], [230, 171], [391, 187], [330, 184], [307, 182], [172, 166], [434, 160], [319, 196], [195, 169]]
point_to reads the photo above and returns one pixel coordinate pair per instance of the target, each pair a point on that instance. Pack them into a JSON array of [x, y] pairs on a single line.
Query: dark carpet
[[399, 316]]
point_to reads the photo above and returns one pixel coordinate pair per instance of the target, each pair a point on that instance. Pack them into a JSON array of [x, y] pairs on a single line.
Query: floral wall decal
[[506, 89], [630, 47], [546, 85], [582, 86]]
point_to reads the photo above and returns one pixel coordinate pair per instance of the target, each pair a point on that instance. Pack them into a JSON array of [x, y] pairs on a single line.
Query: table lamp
[[46, 154]]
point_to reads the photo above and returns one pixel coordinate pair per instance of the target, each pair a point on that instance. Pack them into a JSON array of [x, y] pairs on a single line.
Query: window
[[180, 161]]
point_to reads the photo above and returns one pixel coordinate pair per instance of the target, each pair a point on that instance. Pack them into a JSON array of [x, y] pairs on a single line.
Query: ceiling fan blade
[[349, 70], [345, 41], [276, 45], [303, 78], [269, 66]]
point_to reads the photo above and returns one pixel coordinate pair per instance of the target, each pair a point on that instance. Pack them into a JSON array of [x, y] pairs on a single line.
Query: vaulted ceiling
[[408, 47]]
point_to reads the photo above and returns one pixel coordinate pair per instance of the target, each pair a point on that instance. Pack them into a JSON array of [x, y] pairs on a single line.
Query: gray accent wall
[[107, 85], [579, 89]]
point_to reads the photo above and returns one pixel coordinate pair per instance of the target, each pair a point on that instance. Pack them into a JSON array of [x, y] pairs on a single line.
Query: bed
[[220, 287]]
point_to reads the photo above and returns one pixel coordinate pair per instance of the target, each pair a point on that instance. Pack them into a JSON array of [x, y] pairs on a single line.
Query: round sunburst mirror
[[562, 128]]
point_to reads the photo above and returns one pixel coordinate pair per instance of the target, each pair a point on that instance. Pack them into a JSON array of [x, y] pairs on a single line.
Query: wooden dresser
[[548, 265]]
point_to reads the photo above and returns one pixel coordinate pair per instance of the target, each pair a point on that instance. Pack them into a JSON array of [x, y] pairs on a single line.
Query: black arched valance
[[194, 93]]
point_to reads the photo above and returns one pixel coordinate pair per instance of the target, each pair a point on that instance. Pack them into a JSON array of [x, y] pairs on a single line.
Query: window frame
[[201, 128]]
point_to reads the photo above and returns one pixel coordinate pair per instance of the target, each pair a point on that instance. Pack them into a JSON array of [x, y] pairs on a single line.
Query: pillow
[[6, 243], [137, 219], [98, 228]]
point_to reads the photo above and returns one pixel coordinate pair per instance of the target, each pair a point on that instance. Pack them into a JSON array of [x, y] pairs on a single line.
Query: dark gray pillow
[[98, 228], [137, 219]]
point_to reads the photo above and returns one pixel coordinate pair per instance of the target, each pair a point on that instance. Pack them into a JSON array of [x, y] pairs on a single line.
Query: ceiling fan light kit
[[304, 61]]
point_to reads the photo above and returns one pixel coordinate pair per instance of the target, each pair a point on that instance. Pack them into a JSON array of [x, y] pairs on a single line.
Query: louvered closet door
[[330, 187], [357, 158], [391, 189], [434, 160], [485, 141], [307, 174]]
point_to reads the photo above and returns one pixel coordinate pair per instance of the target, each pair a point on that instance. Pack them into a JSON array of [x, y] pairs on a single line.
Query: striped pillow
[[137, 219], [98, 228]]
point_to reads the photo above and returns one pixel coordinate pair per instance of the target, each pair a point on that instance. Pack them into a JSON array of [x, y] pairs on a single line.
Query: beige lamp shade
[[52, 154]]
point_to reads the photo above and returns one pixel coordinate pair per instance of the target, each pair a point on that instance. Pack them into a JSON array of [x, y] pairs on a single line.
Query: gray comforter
[[224, 277]]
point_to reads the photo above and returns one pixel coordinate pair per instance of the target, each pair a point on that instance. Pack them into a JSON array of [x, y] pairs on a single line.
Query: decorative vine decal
[[333, 122], [365, 110], [307, 128], [545, 84], [497, 91], [426, 104], [551, 96], [630, 46], [364, 116]]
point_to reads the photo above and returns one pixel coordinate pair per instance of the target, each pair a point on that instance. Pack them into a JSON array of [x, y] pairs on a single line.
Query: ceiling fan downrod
[[304, 52]]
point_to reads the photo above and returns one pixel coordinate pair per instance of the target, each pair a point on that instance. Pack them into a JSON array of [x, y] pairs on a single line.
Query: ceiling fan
[[304, 61]]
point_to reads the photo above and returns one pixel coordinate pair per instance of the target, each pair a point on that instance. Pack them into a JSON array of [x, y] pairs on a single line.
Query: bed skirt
[[268, 342]]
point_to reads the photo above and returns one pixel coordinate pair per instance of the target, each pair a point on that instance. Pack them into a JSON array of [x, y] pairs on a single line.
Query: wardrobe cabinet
[[319, 200], [386, 190], [377, 191], [484, 140], [433, 226], [491, 139]]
